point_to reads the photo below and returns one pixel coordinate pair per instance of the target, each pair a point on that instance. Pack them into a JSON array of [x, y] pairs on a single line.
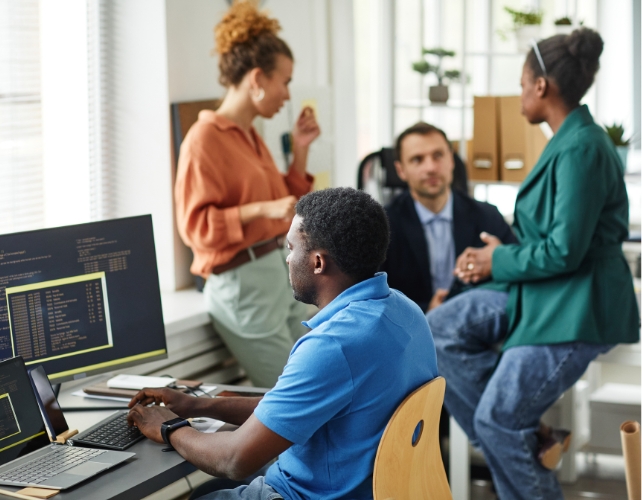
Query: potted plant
[[527, 25], [437, 93], [564, 26], [616, 133]]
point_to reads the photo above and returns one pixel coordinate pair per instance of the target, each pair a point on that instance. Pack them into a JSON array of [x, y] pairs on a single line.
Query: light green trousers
[[254, 312]]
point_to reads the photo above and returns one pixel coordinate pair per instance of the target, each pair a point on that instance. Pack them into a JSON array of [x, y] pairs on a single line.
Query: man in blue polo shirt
[[368, 348]]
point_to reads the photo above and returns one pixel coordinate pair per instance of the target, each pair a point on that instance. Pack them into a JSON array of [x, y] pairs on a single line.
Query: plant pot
[[524, 36], [623, 152], [438, 94], [564, 29]]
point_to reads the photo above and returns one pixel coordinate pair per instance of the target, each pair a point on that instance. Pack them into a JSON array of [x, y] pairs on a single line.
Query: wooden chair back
[[408, 464]]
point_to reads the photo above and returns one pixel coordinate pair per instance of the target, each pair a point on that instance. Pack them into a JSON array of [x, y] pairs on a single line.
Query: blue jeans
[[498, 398], [256, 490]]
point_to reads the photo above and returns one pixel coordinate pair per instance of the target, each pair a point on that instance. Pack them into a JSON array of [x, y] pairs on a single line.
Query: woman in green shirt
[[557, 299]]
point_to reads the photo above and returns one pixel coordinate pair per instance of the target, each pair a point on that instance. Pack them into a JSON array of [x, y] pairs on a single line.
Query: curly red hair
[[245, 39]]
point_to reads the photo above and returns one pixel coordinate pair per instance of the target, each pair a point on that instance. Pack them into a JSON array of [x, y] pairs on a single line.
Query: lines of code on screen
[[8, 421], [63, 317], [81, 296]]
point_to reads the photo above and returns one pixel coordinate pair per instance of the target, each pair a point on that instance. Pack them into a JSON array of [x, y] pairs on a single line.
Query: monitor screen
[[81, 299], [21, 427]]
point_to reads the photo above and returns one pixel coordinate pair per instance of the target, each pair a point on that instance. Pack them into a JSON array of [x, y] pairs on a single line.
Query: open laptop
[[112, 433], [27, 458]]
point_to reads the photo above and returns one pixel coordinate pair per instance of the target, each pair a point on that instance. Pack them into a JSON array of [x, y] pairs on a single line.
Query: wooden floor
[[600, 477]]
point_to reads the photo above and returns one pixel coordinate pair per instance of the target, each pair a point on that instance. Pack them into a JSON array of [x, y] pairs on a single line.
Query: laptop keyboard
[[114, 433], [60, 459]]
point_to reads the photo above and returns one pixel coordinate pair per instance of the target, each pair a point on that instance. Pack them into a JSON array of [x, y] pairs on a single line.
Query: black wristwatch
[[172, 425]]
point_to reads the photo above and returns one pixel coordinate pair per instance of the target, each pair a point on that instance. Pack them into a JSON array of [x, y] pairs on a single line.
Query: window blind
[[21, 171], [22, 175], [101, 69]]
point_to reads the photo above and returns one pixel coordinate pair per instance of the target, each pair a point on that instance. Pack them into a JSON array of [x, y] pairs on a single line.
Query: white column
[[63, 38]]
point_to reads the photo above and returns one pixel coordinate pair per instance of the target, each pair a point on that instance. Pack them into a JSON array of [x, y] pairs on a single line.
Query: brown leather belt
[[245, 256]]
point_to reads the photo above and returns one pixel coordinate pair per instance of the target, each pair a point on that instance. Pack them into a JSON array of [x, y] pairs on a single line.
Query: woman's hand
[[475, 264], [283, 208], [305, 130]]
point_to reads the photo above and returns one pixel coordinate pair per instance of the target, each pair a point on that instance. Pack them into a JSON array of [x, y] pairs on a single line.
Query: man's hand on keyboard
[[149, 419], [177, 401]]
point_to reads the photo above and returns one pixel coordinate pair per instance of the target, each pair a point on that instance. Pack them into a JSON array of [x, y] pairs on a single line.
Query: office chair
[[408, 464], [378, 177]]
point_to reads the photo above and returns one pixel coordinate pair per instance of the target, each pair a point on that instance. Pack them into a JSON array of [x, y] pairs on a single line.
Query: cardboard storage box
[[520, 143], [483, 165], [611, 405]]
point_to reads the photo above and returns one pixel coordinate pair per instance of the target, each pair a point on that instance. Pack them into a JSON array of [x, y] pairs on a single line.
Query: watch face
[[173, 421]]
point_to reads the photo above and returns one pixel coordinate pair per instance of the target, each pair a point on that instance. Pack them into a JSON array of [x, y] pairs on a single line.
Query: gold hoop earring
[[259, 96]]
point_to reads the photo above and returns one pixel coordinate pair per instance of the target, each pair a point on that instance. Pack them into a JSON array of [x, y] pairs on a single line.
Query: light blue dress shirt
[[438, 229]]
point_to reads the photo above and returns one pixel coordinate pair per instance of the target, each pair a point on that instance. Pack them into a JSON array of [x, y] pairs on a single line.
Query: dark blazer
[[407, 263]]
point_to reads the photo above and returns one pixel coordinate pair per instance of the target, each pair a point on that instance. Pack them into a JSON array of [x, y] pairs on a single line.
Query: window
[[21, 167], [53, 128]]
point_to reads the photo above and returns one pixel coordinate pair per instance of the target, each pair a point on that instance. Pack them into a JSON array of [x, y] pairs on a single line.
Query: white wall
[[615, 79], [63, 30], [140, 141], [192, 69]]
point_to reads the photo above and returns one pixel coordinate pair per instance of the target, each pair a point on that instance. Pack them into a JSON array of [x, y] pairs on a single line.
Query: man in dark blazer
[[430, 223]]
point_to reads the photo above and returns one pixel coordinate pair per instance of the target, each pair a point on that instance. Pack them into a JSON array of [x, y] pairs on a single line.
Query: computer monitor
[[81, 299]]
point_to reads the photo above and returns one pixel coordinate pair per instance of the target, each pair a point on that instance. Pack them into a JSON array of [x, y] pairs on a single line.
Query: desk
[[147, 472]]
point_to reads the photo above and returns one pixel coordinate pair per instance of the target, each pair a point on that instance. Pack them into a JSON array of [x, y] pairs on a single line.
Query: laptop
[[112, 433], [27, 458]]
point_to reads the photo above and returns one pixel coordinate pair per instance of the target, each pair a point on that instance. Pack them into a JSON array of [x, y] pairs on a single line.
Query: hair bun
[[586, 45], [242, 22]]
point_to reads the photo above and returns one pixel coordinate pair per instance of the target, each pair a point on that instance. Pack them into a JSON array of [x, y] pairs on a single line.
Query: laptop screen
[[21, 427], [55, 422]]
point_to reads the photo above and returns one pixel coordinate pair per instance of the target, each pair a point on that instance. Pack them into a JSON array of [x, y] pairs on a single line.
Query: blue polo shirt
[[368, 349]]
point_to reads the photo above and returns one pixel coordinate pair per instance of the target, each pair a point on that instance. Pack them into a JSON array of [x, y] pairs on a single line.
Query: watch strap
[[166, 429]]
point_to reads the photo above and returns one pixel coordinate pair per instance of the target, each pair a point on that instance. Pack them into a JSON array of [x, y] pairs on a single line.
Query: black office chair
[[378, 177]]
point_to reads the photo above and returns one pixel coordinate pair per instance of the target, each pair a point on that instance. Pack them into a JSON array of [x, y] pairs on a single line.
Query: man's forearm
[[233, 410], [211, 453], [230, 454]]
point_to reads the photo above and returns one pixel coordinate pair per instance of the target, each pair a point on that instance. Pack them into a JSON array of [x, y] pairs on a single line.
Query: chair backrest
[[408, 463], [377, 176]]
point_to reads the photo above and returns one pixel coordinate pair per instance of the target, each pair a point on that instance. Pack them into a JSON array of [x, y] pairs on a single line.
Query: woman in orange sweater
[[232, 204]]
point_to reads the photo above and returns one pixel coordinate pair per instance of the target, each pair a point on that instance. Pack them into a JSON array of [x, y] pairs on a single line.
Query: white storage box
[[611, 405]]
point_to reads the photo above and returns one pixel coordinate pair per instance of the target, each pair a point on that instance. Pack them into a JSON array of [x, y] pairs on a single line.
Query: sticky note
[[311, 103], [322, 180]]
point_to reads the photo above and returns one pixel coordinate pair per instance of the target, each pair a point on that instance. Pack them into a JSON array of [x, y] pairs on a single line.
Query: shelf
[[494, 54], [425, 103], [474, 182]]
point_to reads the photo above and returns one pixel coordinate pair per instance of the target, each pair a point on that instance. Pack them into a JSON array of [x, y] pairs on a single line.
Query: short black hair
[[571, 61], [421, 128], [350, 225]]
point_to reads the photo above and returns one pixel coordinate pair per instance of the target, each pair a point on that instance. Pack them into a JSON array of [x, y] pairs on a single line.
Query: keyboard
[[113, 433], [58, 460]]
